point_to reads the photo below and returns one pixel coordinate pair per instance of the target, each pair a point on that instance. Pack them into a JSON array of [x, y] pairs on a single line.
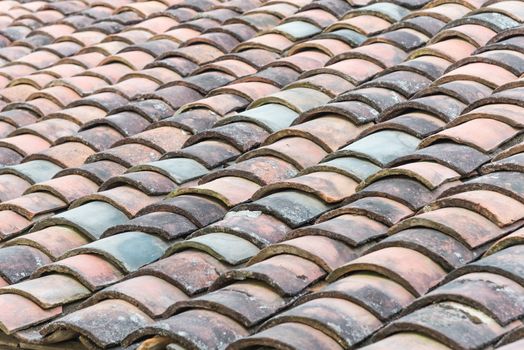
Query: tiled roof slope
[[248, 174]]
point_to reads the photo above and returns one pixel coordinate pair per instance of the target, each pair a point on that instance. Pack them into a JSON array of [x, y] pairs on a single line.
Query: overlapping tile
[[274, 188]]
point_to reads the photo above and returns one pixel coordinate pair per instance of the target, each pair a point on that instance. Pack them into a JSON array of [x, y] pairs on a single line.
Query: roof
[[249, 174]]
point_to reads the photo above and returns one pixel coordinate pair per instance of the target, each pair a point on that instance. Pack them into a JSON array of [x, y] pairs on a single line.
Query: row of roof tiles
[[214, 256]]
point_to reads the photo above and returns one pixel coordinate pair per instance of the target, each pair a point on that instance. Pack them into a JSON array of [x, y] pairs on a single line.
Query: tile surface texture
[[262, 174]]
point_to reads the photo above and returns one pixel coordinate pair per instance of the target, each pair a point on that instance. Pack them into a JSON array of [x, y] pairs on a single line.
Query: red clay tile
[[138, 291], [342, 320], [39, 291], [290, 336], [229, 190], [464, 225], [287, 274], [180, 270], [14, 320], [119, 318], [121, 84], [92, 271], [414, 271], [193, 327], [405, 341]]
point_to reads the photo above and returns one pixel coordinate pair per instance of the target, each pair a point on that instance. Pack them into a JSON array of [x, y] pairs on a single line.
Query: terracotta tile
[[126, 155], [407, 340], [278, 76], [400, 144], [430, 174], [40, 291], [429, 66], [19, 262], [80, 218], [82, 85], [128, 251], [357, 112], [464, 225], [178, 170], [292, 207], [378, 294], [496, 21], [25, 144], [364, 24], [70, 154], [250, 90], [381, 209], [162, 224], [378, 98], [111, 88], [404, 82], [331, 47], [325, 252], [32, 172], [102, 330], [92, 271], [298, 151], [263, 116], [261, 170], [225, 247], [68, 188], [245, 302], [431, 104], [53, 241], [12, 224], [229, 190], [97, 172], [127, 123], [462, 159], [472, 333], [287, 274], [202, 327], [243, 136], [407, 38], [139, 290], [179, 269], [442, 248], [148, 182], [330, 132], [33, 204], [342, 320], [354, 70], [17, 93], [329, 84], [490, 75], [451, 50], [209, 153], [298, 99], [498, 208], [125, 198], [398, 264], [384, 55], [200, 210], [329, 186], [466, 91], [495, 295], [13, 320], [289, 335], [304, 61], [260, 229], [9, 157], [470, 133], [507, 113]]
